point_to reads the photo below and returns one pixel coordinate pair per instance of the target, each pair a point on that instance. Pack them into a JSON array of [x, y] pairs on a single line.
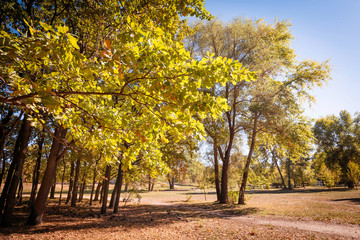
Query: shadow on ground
[[353, 200], [65, 218], [280, 191]]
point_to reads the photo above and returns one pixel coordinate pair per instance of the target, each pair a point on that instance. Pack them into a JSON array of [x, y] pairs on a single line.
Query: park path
[[352, 231], [343, 230]]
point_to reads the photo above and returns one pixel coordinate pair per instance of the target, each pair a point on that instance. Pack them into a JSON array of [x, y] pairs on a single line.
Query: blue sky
[[323, 29]]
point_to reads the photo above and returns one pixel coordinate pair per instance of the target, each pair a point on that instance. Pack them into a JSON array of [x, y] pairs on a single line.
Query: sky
[[323, 30]]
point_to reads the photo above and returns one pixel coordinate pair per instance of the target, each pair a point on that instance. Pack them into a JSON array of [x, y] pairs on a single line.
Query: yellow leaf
[[73, 41]]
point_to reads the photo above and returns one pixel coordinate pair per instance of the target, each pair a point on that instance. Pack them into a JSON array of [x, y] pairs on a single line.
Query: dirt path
[[321, 227], [348, 231]]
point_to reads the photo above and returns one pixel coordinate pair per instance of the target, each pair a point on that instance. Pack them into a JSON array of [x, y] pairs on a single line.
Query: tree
[[338, 145], [106, 74], [261, 105]]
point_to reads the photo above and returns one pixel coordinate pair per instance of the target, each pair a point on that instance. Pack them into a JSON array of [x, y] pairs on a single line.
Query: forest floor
[[314, 213]]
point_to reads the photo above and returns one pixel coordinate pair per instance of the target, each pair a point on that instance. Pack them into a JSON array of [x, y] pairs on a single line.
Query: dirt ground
[[185, 214]]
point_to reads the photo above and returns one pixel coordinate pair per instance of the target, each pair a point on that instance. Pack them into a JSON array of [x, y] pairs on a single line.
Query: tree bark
[[119, 179], [152, 184], [38, 209], [149, 186], [97, 191], [71, 184], [76, 183], [279, 170], [36, 173], [20, 191], [53, 188], [216, 168], [15, 176], [102, 190], [247, 164], [62, 182], [288, 165], [3, 168], [93, 181], [172, 182], [83, 185], [4, 134], [106, 189], [113, 194]]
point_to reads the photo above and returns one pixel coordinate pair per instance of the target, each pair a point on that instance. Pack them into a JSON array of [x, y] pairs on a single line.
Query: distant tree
[[337, 140]]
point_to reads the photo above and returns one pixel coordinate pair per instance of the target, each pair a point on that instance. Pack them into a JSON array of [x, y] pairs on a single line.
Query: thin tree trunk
[[62, 182], [152, 185], [83, 185], [18, 160], [118, 190], [289, 173], [71, 184], [97, 191], [113, 194], [3, 136], [149, 186], [126, 187], [172, 182], [247, 165], [36, 173], [93, 181], [282, 177], [3, 168], [53, 188], [102, 191], [20, 191], [106, 189], [76, 183], [216, 168], [38, 209]]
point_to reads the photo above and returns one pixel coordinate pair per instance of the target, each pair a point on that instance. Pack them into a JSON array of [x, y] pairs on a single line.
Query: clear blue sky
[[323, 29]]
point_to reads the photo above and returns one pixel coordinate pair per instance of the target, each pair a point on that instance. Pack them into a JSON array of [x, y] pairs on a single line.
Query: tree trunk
[[106, 189], [3, 168], [126, 187], [3, 135], [36, 173], [216, 168], [113, 194], [76, 183], [288, 165], [83, 185], [71, 184], [247, 164], [53, 188], [15, 176], [282, 177], [149, 186], [224, 179], [38, 209], [62, 182], [102, 191], [97, 191], [20, 191], [152, 185], [119, 179], [172, 182], [93, 181]]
